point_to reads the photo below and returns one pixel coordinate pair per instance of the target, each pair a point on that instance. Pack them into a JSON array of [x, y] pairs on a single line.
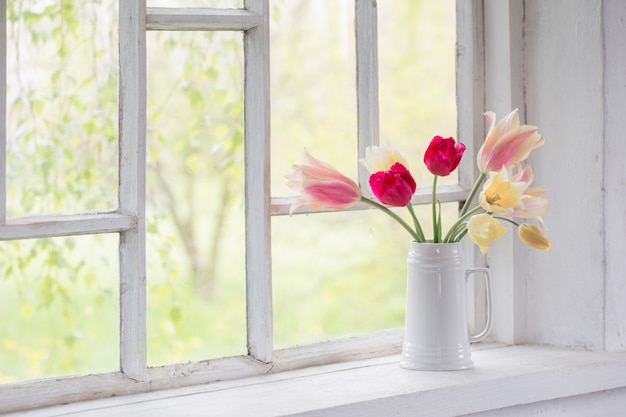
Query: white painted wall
[[573, 78], [615, 173], [563, 59], [573, 70]]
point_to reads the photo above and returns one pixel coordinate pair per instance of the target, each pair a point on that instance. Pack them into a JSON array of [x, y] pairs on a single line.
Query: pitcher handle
[[480, 336]]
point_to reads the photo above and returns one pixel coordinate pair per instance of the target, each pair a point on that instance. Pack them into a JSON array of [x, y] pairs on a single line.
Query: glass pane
[[313, 78], [195, 207], [59, 307], [341, 274], [229, 4], [417, 53], [62, 106]]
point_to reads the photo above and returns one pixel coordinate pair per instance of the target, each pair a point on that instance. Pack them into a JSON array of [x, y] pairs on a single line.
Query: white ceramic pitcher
[[436, 331]]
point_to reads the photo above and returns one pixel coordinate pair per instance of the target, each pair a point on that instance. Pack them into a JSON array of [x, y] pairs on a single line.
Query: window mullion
[[504, 91], [257, 185], [470, 82], [132, 173], [469, 85], [365, 22]]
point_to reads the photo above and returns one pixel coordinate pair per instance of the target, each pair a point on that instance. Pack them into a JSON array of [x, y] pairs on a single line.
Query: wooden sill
[[503, 377]]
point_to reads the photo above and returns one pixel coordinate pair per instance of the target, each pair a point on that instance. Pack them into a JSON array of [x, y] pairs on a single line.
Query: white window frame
[[129, 219]]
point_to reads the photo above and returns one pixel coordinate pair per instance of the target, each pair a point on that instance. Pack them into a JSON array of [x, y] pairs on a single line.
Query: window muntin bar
[[132, 187], [366, 30], [201, 19], [66, 225], [257, 185], [222, 4]]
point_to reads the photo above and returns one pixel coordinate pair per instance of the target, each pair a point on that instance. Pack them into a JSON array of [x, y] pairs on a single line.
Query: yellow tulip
[[530, 235], [500, 194], [483, 229]]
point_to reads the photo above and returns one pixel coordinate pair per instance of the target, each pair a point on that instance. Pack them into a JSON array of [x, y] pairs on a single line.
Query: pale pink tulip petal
[[321, 186], [507, 143]]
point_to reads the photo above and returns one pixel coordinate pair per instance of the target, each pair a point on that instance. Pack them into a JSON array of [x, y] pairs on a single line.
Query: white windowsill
[[503, 377]]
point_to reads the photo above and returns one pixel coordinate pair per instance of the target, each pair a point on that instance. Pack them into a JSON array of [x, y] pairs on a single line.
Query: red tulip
[[394, 187], [443, 156]]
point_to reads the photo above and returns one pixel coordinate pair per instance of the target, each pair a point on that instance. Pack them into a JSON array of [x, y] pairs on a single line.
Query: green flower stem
[[439, 221], [472, 194], [436, 237], [450, 237], [506, 220], [460, 231], [461, 235], [394, 216], [454, 232], [418, 227]]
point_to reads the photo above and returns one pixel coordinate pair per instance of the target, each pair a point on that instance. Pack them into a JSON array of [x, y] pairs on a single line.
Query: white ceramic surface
[[436, 332]]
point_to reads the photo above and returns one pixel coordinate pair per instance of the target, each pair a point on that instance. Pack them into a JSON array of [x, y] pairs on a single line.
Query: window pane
[[62, 87], [417, 53], [313, 85], [59, 307], [230, 4], [195, 207], [341, 274]]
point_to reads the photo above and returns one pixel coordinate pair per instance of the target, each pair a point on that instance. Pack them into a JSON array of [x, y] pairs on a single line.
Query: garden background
[[334, 274]]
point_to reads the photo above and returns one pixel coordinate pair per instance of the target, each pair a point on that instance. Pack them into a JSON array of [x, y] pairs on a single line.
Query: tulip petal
[[500, 194], [483, 229], [382, 158], [321, 186], [507, 143], [533, 203], [443, 156], [394, 187], [531, 236]]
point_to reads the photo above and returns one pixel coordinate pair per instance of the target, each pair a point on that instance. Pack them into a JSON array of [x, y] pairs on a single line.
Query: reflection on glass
[[59, 307], [195, 208], [340, 274], [337, 274], [313, 78], [62, 106], [417, 52]]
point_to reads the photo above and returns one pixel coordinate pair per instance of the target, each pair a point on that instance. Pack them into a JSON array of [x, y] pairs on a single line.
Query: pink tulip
[[394, 187], [507, 143], [321, 186]]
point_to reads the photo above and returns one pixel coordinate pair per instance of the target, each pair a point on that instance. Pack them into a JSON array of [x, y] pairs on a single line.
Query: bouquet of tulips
[[504, 185]]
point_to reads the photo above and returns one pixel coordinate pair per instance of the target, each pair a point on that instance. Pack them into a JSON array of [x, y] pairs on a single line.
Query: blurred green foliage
[[334, 274]]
